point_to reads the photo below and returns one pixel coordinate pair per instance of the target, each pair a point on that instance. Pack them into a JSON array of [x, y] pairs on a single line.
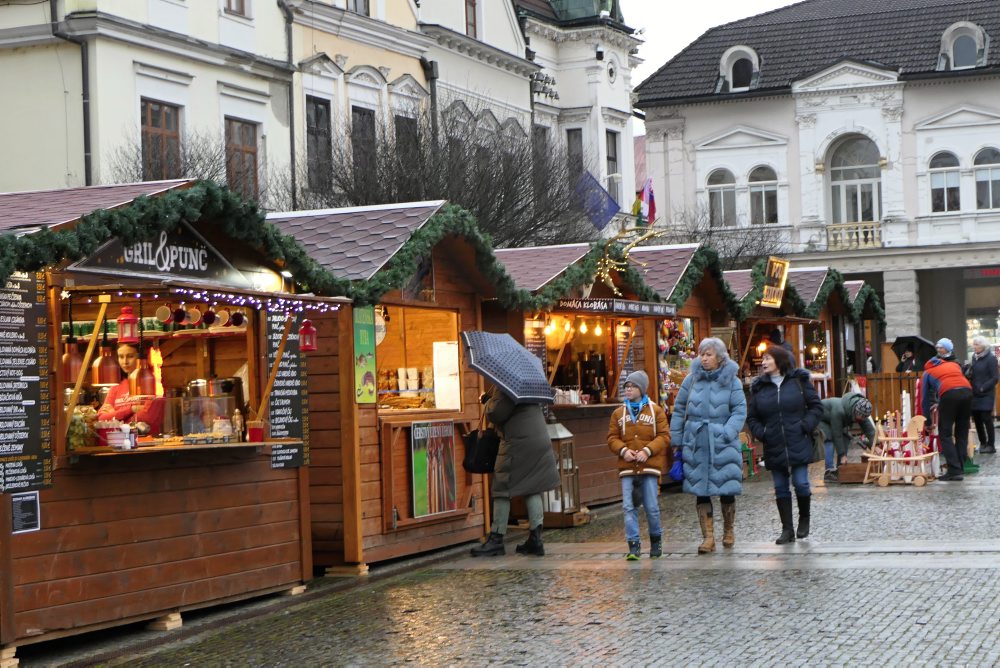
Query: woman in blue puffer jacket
[[709, 412], [784, 410]]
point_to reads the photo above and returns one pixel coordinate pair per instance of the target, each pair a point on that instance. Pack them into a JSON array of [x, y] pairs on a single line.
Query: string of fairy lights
[[269, 304]]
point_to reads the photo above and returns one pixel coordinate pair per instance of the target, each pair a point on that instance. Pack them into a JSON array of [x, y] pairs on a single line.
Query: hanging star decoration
[[65, 294], [608, 265]]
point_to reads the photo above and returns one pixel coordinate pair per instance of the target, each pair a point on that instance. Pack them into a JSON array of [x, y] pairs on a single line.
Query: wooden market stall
[[386, 478], [187, 490], [589, 338], [809, 309]]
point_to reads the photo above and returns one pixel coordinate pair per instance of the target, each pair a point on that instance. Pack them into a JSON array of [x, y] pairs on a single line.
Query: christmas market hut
[[386, 475], [586, 312], [155, 428]]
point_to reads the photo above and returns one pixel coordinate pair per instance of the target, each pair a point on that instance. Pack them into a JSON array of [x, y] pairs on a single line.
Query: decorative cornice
[[480, 51], [311, 14], [601, 34]]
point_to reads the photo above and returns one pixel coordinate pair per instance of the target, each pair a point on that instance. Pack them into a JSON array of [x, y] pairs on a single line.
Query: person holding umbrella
[[639, 435], [525, 464], [525, 467]]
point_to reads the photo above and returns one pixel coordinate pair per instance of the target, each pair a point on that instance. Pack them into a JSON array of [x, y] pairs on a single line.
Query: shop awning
[[533, 268], [354, 243]]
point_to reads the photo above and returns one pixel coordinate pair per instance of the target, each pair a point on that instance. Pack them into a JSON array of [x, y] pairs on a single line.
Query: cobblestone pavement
[[898, 576]]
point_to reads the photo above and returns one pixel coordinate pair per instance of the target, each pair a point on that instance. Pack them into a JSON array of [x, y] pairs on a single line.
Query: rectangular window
[[470, 18], [161, 140], [241, 157], [319, 150], [363, 143], [988, 188], [574, 154], [722, 207], [238, 7], [614, 177], [407, 139], [418, 357], [945, 192], [362, 7], [763, 205]]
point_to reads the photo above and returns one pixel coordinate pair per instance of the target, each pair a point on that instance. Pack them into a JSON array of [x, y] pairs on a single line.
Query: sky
[[669, 27]]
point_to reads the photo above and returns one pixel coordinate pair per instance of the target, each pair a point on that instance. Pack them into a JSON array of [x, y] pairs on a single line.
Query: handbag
[[677, 468], [481, 448], [818, 437]]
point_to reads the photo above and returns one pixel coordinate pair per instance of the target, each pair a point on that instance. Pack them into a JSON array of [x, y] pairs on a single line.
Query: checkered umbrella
[[509, 365]]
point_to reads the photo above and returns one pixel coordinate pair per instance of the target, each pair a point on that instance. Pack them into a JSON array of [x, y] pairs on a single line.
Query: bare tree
[[738, 247]]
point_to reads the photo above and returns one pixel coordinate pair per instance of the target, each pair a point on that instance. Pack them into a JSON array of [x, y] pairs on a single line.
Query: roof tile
[[664, 266], [533, 268]]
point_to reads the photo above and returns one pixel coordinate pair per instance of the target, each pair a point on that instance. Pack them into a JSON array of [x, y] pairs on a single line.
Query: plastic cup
[[255, 431]]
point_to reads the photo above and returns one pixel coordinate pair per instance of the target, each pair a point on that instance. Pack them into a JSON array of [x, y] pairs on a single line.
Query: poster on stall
[[432, 458], [364, 355]]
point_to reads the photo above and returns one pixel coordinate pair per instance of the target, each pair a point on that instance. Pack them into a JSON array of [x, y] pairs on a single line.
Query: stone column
[[902, 303]]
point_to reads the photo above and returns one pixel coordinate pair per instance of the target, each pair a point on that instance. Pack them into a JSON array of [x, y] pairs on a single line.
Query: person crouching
[[639, 435]]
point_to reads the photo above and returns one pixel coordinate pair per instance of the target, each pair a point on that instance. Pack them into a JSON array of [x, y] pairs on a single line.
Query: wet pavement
[[897, 575]]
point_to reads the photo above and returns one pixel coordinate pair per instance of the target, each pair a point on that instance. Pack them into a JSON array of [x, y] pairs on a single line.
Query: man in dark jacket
[[839, 415], [943, 384], [983, 374]]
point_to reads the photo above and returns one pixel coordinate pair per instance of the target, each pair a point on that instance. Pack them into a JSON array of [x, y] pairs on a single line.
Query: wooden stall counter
[[598, 473]]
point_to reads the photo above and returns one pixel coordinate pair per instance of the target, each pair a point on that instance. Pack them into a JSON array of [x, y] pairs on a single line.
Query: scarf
[[981, 355], [635, 407]]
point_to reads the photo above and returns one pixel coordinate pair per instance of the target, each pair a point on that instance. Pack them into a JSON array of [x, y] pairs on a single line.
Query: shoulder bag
[[481, 448], [818, 437]]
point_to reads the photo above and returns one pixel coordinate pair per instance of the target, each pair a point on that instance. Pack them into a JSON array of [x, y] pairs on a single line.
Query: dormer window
[[739, 69], [964, 45]]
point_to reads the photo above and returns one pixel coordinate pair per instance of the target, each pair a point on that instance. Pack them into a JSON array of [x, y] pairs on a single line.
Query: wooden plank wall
[[326, 472], [137, 536]]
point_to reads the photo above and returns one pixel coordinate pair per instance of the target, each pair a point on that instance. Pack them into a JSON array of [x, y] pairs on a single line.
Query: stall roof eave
[[665, 266], [740, 282], [355, 243], [30, 211], [808, 281], [533, 268]]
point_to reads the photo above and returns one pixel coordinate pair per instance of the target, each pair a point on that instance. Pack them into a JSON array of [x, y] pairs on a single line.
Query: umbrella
[[509, 365], [923, 349]]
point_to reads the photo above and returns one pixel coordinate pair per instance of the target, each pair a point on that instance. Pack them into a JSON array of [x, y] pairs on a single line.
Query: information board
[[25, 423], [534, 339], [25, 513], [288, 407]]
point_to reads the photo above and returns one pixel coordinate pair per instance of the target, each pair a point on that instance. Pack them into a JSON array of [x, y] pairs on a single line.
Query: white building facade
[[878, 157]]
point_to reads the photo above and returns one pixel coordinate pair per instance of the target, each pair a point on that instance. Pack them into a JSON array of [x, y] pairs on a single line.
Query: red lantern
[[307, 337], [128, 326]]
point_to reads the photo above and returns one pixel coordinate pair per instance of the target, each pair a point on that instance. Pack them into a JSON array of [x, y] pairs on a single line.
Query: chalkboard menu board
[[288, 407], [628, 363], [534, 338], [25, 425]]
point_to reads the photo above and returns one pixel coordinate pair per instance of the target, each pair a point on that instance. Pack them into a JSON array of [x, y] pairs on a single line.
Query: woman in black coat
[[983, 375], [783, 412]]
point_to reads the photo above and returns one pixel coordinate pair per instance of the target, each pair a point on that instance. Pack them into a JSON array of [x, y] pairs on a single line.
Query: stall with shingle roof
[[167, 503]]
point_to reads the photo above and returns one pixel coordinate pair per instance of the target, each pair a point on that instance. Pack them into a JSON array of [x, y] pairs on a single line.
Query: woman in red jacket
[[944, 384]]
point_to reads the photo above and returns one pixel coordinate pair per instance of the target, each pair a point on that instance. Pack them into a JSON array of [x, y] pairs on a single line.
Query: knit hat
[[639, 379], [862, 409], [946, 344]]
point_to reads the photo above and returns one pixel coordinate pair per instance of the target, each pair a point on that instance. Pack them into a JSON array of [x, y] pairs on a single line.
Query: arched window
[[763, 196], [964, 52], [742, 74], [855, 181], [722, 198], [945, 182], [987, 164]]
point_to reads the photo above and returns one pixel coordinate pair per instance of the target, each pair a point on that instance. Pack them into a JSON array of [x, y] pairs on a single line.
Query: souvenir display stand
[[386, 478], [191, 489]]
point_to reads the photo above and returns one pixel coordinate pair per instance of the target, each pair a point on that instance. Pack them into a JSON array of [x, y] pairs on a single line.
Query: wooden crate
[[853, 473]]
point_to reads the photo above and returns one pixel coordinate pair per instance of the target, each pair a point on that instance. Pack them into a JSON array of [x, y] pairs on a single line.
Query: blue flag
[[598, 204]]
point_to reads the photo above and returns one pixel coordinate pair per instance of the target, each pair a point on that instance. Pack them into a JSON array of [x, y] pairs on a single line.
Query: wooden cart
[[885, 466]]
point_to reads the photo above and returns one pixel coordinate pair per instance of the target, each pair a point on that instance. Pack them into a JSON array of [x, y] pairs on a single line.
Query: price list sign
[[288, 409], [25, 422]]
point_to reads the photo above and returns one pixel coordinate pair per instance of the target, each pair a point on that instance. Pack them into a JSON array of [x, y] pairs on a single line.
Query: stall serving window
[[676, 348], [576, 359], [417, 355]]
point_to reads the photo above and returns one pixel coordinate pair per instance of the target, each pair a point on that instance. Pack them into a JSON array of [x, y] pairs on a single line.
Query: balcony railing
[[849, 236]]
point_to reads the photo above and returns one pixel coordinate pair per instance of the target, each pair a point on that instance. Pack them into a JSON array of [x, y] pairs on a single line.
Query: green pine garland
[[866, 296], [705, 259]]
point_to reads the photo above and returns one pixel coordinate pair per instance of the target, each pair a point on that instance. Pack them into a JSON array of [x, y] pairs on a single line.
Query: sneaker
[[987, 450], [830, 475], [655, 547], [634, 549]]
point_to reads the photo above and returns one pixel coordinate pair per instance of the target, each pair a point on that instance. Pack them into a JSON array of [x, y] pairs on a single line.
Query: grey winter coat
[[984, 379], [709, 412], [525, 462], [838, 415], [783, 418]]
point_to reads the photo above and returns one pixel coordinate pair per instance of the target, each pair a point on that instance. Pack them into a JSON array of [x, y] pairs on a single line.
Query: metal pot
[[229, 387], [198, 388]]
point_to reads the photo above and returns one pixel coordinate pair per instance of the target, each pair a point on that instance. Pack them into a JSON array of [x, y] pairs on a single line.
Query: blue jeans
[[649, 486], [831, 456], [799, 478]]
